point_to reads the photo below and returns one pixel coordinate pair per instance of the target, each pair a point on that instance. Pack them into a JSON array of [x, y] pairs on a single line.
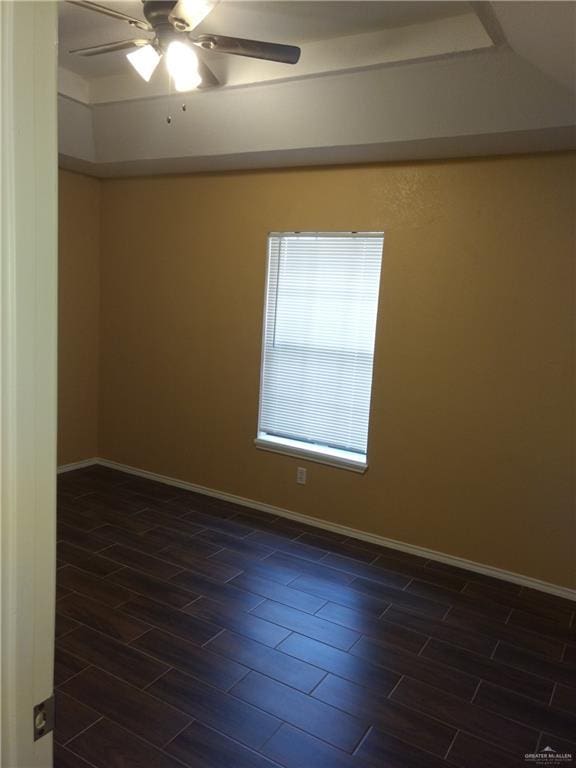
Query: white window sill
[[321, 455]]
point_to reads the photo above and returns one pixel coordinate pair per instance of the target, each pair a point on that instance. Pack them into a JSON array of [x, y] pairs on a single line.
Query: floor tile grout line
[[261, 747], [388, 598], [493, 654], [173, 563], [160, 676], [171, 668], [530, 634], [84, 669], [451, 744], [405, 587], [180, 732], [148, 692], [501, 686], [95, 722], [317, 561], [282, 720], [536, 610], [119, 679], [363, 740], [426, 642], [167, 581], [313, 735], [550, 700], [476, 691], [403, 738], [158, 628], [452, 726], [69, 746], [394, 687], [205, 644], [132, 733], [534, 729], [548, 636], [384, 612], [249, 611], [170, 583], [213, 554], [443, 664], [275, 679], [251, 749], [63, 540], [183, 608], [127, 643], [539, 610], [401, 677], [446, 613], [301, 631], [315, 687], [481, 679], [137, 637], [498, 641]]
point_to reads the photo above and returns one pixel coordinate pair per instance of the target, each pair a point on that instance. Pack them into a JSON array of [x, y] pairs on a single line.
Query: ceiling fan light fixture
[[188, 14], [182, 65], [144, 60]]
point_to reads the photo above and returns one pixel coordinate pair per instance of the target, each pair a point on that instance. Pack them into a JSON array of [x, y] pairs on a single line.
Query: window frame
[[315, 452]]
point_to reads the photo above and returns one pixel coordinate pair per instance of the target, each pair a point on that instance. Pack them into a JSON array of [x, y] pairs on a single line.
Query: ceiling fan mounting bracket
[[157, 12]]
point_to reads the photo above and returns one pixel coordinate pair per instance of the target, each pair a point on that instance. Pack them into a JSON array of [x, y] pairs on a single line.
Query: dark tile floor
[[194, 632]]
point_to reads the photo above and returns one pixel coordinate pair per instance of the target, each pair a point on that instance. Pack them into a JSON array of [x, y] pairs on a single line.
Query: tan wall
[[470, 444], [79, 299]]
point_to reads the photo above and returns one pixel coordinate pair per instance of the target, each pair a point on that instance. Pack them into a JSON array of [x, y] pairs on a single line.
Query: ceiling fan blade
[[188, 14], [138, 23], [121, 45], [255, 49]]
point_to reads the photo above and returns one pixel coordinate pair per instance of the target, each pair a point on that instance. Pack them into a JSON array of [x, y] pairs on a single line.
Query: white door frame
[[28, 328]]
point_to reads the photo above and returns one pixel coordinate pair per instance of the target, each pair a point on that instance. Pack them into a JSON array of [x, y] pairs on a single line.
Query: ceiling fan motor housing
[[157, 14]]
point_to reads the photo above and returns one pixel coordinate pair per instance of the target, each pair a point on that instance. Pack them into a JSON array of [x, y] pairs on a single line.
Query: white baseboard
[[430, 554], [77, 465]]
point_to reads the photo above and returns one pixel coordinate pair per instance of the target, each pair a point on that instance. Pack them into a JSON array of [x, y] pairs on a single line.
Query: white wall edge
[[28, 381], [373, 538]]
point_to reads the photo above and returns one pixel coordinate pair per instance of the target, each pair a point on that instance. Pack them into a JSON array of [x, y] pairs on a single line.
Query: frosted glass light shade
[[192, 12], [144, 60], [182, 64]]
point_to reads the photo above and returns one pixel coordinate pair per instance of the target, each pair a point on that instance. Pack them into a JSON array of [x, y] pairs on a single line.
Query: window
[[318, 346]]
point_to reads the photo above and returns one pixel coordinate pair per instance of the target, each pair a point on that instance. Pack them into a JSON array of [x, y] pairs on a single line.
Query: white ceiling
[[294, 22], [377, 81]]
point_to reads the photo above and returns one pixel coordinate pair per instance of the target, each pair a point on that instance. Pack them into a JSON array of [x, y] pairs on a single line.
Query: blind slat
[[319, 330]]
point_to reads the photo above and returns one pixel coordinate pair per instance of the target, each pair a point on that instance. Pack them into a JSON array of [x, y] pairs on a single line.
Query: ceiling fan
[[173, 22]]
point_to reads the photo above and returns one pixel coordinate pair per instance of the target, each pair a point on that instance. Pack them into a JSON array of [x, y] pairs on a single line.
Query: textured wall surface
[[470, 447], [79, 300]]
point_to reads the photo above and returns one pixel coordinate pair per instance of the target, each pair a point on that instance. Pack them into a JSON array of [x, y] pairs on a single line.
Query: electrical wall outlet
[[301, 476]]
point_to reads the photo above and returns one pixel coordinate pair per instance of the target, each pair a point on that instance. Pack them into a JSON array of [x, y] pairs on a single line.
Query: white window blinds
[[318, 346]]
